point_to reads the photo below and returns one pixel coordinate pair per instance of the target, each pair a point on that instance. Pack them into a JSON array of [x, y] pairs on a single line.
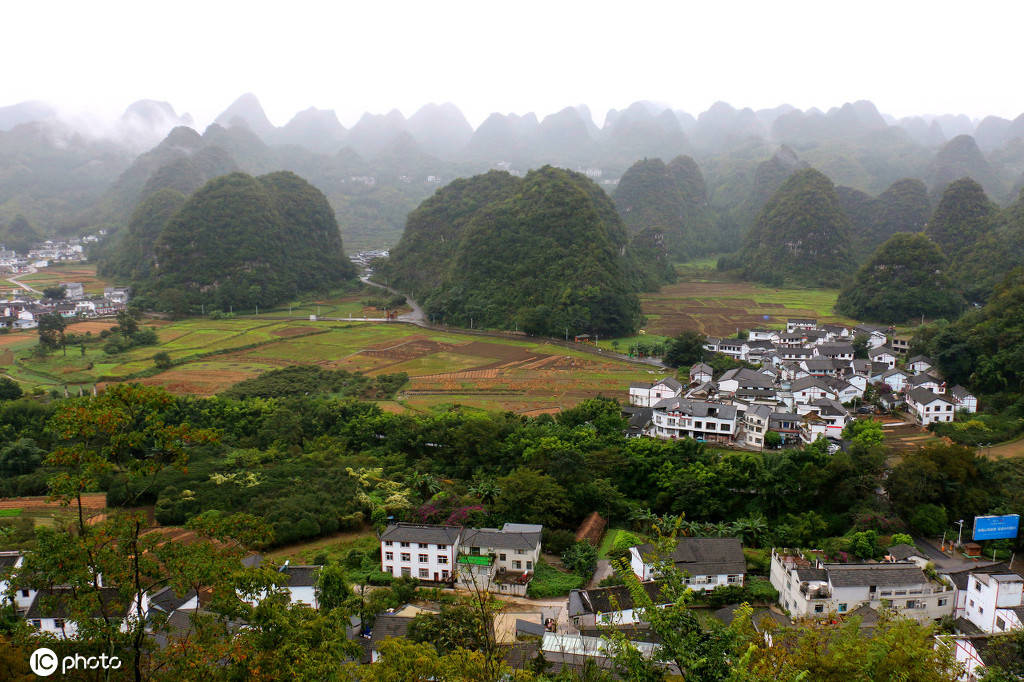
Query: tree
[[55, 293], [162, 360], [9, 389], [529, 496], [929, 519], [51, 331], [685, 350], [127, 323], [773, 439], [20, 457], [457, 626], [902, 539], [332, 587], [1004, 658], [580, 558]]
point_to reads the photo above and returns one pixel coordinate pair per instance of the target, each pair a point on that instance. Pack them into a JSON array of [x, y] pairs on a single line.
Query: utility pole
[[567, 334], [959, 533]]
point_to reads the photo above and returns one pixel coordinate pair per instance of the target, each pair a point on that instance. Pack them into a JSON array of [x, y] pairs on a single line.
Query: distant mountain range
[[68, 176]]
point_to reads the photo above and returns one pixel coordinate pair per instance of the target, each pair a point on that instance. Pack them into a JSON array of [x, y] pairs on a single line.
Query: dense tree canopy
[[801, 235], [20, 235], [544, 253], [983, 265], [964, 216], [132, 258], [244, 241], [904, 279]]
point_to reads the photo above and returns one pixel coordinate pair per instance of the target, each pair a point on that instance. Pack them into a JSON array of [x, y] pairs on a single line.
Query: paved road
[[415, 317], [16, 281], [955, 563]]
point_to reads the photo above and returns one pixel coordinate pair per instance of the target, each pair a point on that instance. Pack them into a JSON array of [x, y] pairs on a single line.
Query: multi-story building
[[929, 407], [698, 419], [421, 551], [816, 590], [645, 395]]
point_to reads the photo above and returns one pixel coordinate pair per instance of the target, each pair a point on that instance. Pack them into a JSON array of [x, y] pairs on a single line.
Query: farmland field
[[84, 273], [445, 368]]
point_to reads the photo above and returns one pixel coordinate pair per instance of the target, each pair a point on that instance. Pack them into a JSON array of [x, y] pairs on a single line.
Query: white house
[[808, 389], [929, 407], [799, 323], [875, 335], [816, 590], [925, 381], [963, 399], [896, 379], [824, 417], [836, 351], [589, 609], [645, 395], [698, 419], [920, 364], [995, 601], [499, 560], [883, 354], [50, 611], [421, 551], [706, 562], [10, 562], [73, 290], [750, 379], [700, 373], [755, 424]]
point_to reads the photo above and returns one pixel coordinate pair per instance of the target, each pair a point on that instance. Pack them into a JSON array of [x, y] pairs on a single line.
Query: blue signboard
[[996, 527]]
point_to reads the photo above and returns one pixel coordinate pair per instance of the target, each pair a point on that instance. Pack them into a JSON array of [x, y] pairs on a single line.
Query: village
[[807, 385], [25, 305]]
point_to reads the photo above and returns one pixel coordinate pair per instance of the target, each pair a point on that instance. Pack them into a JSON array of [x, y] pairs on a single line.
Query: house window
[[519, 551], [724, 427], [1000, 623], [444, 573], [36, 623], [442, 546], [819, 608], [474, 550], [943, 602], [424, 573], [24, 593], [698, 425], [911, 603], [389, 556], [529, 565], [442, 558], [517, 565], [842, 608], [981, 609], [387, 568], [406, 556], [977, 586], [972, 603], [58, 623], [404, 544], [501, 557], [424, 558], [387, 543]]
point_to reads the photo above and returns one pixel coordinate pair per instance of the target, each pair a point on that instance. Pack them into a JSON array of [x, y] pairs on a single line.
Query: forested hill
[[240, 242], [546, 253], [801, 235]]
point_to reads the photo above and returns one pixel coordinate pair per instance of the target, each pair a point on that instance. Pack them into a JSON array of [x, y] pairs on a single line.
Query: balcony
[[819, 592]]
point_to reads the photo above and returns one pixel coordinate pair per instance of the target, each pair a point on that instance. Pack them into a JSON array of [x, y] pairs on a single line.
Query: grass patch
[[336, 547], [551, 582], [9, 513], [608, 541]]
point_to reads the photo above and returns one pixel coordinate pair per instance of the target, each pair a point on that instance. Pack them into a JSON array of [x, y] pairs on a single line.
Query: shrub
[[550, 582], [556, 541], [580, 558]]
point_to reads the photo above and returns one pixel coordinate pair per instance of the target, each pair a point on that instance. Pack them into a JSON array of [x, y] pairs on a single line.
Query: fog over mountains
[[68, 174]]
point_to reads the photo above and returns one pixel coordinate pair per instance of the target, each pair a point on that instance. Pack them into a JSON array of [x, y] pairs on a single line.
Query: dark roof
[[809, 382], [960, 392], [529, 627], [301, 576], [421, 532], [868, 615], [705, 556], [640, 418], [670, 382], [766, 344], [808, 573], [747, 377], [838, 348], [389, 625], [881, 350], [609, 599], [701, 367], [696, 408], [819, 363], [827, 406], [54, 604], [727, 614], [920, 358], [883, 575], [8, 560], [923, 396], [801, 320], [919, 379], [903, 551], [960, 578], [166, 600], [505, 539], [966, 627]]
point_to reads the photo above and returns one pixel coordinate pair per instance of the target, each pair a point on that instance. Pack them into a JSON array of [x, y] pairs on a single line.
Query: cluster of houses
[[804, 385], [49, 251], [23, 312]]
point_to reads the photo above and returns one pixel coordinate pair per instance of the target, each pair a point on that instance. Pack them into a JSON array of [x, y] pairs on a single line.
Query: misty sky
[[909, 57]]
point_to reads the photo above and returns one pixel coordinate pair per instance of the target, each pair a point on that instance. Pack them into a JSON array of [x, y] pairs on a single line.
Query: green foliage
[[21, 235], [9, 389], [242, 242], [55, 292], [555, 541], [22, 456], [312, 380], [457, 626], [980, 428], [332, 588], [905, 278], [543, 253], [984, 264], [133, 256], [864, 545], [902, 539], [580, 558], [950, 475], [51, 330], [964, 216], [801, 235], [772, 439], [929, 519], [685, 350], [162, 360], [550, 582], [865, 432]]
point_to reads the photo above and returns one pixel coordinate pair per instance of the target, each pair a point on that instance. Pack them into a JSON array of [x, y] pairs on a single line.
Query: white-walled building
[[590, 609], [706, 562], [883, 354], [645, 395], [698, 419], [995, 601], [423, 551], [816, 590], [963, 399], [10, 562], [50, 611], [700, 373], [929, 407]]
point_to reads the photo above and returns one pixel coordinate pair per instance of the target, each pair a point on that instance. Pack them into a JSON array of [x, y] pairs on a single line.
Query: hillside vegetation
[[546, 253]]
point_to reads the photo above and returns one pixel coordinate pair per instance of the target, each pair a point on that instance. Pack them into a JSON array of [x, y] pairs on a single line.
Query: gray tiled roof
[[903, 551], [8, 560], [959, 392], [670, 382], [920, 358], [492, 537], [923, 396], [705, 556], [881, 575], [54, 604], [609, 599], [166, 600], [301, 576], [696, 408], [421, 532], [881, 350], [809, 382], [389, 625]]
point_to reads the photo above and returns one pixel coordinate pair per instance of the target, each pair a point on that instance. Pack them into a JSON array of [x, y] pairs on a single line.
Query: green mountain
[[983, 265], [546, 253], [20, 235], [242, 241], [962, 218], [802, 235], [668, 200], [903, 207], [132, 255], [905, 278]]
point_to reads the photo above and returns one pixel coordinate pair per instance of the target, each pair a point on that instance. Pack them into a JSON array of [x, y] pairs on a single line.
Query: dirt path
[[1014, 448], [91, 501]]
